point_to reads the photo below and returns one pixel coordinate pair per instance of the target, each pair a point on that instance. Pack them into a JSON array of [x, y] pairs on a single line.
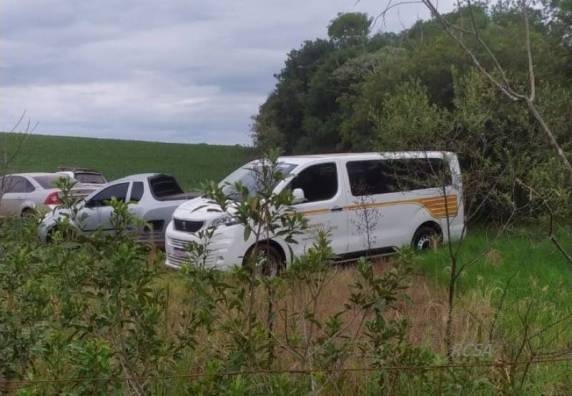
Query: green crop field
[[191, 164]]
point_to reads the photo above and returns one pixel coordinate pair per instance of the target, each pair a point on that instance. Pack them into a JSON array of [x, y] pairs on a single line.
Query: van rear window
[[397, 175]]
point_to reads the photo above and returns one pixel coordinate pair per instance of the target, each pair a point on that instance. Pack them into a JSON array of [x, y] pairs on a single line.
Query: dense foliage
[[359, 91], [98, 315]]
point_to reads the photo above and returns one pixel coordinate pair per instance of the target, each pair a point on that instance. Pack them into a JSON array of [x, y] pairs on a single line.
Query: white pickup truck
[[152, 198]]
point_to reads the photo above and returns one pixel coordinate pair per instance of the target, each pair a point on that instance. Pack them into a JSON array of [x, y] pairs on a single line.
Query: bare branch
[[503, 85], [483, 44], [552, 139], [506, 90], [390, 5], [551, 235], [531, 78]]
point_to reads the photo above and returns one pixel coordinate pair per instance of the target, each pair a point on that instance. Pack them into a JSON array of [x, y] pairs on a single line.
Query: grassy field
[[516, 290], [518, 267], [524, 260], [190, 163]]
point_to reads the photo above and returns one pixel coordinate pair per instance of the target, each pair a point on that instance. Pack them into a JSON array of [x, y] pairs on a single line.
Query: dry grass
[[425, 308]]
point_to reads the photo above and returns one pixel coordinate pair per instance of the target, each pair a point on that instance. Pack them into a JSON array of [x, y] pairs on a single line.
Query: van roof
[[301, 159]]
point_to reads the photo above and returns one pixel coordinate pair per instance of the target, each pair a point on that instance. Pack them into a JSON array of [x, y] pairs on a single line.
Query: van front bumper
[[224, 250]]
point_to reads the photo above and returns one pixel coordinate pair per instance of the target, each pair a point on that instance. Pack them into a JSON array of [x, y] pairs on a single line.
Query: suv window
[[117, 191], [136, 192], [49, 181], [16, 184], [387, 176], [319, 182]]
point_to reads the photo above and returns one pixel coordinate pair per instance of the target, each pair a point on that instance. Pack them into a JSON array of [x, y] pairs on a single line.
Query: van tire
[[426, 237], [274, 261]]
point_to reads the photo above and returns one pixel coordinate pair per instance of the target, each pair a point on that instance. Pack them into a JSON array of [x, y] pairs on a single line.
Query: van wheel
[[425, 238], [272, 261]]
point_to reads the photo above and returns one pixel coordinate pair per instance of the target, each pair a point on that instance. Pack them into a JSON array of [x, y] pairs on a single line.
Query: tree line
[[360, 90]]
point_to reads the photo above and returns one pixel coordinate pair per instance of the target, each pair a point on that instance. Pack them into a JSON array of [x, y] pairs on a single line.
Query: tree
[[499, 75], [350, 28]]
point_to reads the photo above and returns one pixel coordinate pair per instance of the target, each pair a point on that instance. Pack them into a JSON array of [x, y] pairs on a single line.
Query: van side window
[[420, 173], [319, 182], [387, 176], [370, 177]]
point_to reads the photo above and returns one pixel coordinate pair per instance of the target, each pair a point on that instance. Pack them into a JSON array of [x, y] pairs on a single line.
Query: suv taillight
[[53, 199]]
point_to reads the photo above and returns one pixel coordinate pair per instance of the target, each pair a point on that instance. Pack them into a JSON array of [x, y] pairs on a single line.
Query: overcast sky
[[161, 70]]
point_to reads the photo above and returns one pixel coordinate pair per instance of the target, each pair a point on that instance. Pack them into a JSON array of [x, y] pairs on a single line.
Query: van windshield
[[249, 176]]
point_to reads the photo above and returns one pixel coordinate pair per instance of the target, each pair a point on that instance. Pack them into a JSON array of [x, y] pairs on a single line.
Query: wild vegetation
[[100, 315], [420, 89], [487, 315]]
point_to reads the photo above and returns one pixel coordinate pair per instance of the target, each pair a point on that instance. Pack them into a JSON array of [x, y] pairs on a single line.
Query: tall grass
[[525, 259]]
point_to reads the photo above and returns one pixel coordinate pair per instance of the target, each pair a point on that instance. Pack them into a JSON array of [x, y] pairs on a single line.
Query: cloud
[[174, 70]]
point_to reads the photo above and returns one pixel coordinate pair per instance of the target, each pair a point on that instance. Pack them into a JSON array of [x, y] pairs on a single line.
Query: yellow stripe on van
[[437, 206], [315, 211]]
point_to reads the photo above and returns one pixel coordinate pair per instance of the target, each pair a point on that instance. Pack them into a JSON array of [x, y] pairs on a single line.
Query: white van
[[368, 203]]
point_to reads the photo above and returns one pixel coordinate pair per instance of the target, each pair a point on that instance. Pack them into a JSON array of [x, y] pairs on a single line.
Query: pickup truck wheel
[[28, 213], [426, 237], [50, 234], [270, 258], [66, 233]]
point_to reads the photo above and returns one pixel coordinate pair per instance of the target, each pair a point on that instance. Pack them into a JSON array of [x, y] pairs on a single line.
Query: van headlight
[[226, 220]]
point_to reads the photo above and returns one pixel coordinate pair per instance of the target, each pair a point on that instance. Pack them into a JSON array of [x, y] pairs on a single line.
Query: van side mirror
[[299, 196]]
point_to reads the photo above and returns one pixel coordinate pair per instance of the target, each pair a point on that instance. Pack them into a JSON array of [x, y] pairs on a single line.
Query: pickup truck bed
[[179, 197]]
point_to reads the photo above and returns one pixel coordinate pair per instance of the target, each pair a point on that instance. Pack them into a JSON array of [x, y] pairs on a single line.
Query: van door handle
[[336, 209]]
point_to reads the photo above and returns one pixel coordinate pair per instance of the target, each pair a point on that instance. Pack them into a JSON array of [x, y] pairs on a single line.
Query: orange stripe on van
[[315, 211], [436, 206]]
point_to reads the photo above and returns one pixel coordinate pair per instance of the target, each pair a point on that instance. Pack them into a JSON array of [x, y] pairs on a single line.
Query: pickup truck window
[[136, 192], [163, 186], [117, 191]]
